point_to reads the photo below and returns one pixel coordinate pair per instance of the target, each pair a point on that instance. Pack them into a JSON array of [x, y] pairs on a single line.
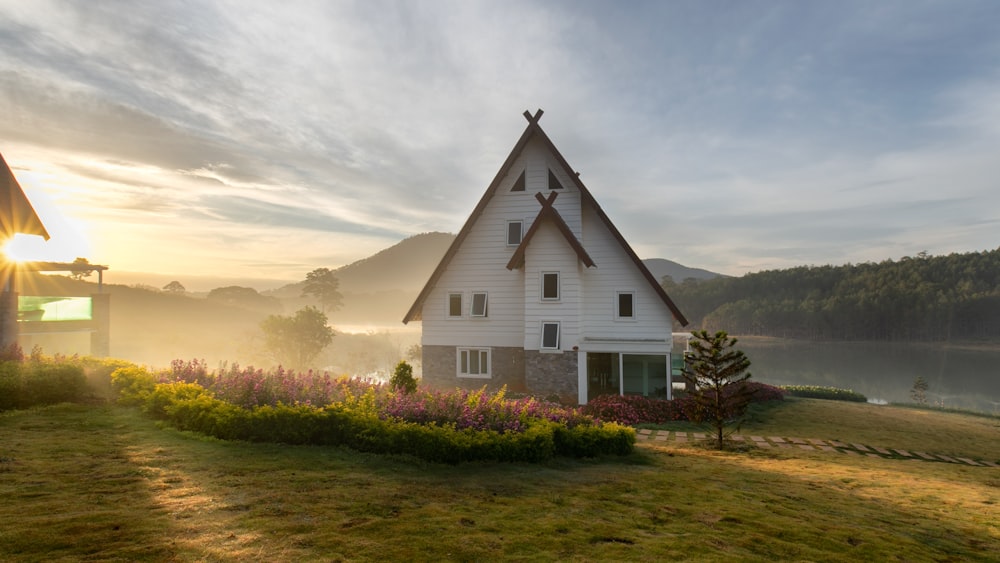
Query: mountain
[[404, 266], [660, 267], [379, 289]]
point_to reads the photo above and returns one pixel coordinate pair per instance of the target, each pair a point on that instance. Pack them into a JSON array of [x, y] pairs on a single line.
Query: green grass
[[103, 483]]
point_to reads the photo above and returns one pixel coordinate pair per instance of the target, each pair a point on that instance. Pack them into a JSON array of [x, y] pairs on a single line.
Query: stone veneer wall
[[507, 368], [552, 373]]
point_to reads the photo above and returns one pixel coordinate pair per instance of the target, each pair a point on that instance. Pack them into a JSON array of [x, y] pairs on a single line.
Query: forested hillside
[[922, 298]]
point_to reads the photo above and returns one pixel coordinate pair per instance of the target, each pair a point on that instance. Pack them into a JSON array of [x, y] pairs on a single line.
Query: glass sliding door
[[644, 374], [602, 374]]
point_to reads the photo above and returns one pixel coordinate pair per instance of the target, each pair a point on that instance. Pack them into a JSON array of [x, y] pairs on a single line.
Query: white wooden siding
[[550, 252], [586, 308], [616, 272]]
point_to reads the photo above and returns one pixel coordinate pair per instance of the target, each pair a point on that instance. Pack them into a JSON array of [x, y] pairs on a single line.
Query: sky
[[261, 139]]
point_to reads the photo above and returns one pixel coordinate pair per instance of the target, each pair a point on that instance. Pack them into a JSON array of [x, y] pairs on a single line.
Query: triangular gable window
[[553, 181], [519, 184]]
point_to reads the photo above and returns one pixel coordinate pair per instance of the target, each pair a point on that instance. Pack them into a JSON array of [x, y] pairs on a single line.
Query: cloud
[[818, 133]]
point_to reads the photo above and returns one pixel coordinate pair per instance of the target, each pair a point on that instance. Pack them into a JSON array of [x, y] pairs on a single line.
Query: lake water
[[957, 376]]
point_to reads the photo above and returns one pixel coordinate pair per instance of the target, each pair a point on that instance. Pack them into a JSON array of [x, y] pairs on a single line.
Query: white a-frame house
[[540, 292]]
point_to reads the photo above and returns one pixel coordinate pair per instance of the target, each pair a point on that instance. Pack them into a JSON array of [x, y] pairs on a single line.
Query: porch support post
[[581, 375]]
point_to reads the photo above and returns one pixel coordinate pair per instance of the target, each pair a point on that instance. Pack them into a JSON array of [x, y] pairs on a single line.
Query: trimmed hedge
[[829, 393], [356, 424], [636, 409], [30, 383]]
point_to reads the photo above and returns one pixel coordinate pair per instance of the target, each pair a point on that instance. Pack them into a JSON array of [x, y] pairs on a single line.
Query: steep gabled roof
[[16, 213], [549, 213], [531, 131]]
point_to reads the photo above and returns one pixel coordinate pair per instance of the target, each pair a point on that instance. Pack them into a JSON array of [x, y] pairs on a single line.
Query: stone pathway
[[813, 445]]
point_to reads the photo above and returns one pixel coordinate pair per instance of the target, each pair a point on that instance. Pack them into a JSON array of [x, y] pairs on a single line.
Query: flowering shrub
[[253, 387], [477, 410], [635, 409], [283, 406]]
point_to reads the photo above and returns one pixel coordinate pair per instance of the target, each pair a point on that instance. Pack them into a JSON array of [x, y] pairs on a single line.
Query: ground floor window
[[610, 373], [473, 362]]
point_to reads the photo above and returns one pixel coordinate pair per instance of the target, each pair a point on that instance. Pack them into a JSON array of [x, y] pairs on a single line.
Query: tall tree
[[325, 287], [174, 287], [718, 374], [79, 273], [295, 341]]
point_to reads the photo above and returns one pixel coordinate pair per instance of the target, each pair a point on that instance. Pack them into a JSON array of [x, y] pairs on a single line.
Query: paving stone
[[882, 451], [660, 438], [681, 439], [816, 442], [869, 454], [837, 444], [989, 463], [926, 456], [849, 452], [776, 439], [699, 435], [786, 446], [969, 461], [680, 434], [644, 431], [797, 440], [736, 438], [827, 449], [763, 444], [860, 447], [903, 453], [757, 439], [948, 459], [807, 447]]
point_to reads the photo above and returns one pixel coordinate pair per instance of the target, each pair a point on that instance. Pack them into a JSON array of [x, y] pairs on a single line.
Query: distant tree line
[[922, 298]]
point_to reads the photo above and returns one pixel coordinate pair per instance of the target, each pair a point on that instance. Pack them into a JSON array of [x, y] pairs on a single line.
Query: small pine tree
[[402, 379], [718, 373], [919, 391]]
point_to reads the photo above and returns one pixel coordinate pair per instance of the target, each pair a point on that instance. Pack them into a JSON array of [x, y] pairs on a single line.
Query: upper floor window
[[454, 305], [479, 304], [519, 183], [515, 231], [550, 286], [553, 181], [625, 305]]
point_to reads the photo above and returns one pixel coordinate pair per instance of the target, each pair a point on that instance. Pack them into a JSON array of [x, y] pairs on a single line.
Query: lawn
[[106, 483]]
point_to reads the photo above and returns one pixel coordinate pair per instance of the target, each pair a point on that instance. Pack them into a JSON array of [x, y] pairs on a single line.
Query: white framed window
[[473, 362], [454, 305], [550, 286], [515, 232], [625, 305], [550, 335], [480, 304]]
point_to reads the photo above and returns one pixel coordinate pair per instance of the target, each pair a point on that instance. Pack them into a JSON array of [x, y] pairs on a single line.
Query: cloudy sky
[[263, 139]]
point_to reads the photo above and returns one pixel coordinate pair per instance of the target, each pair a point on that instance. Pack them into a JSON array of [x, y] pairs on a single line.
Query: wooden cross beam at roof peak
[[549, 213], [533, 119], [546, 202]]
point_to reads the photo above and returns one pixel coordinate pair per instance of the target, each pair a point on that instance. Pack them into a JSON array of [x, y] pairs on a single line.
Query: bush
[[402, 379], [439, 427], [133, 385], [31, 383], [829, 393], [636, 409], [10, 385]]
